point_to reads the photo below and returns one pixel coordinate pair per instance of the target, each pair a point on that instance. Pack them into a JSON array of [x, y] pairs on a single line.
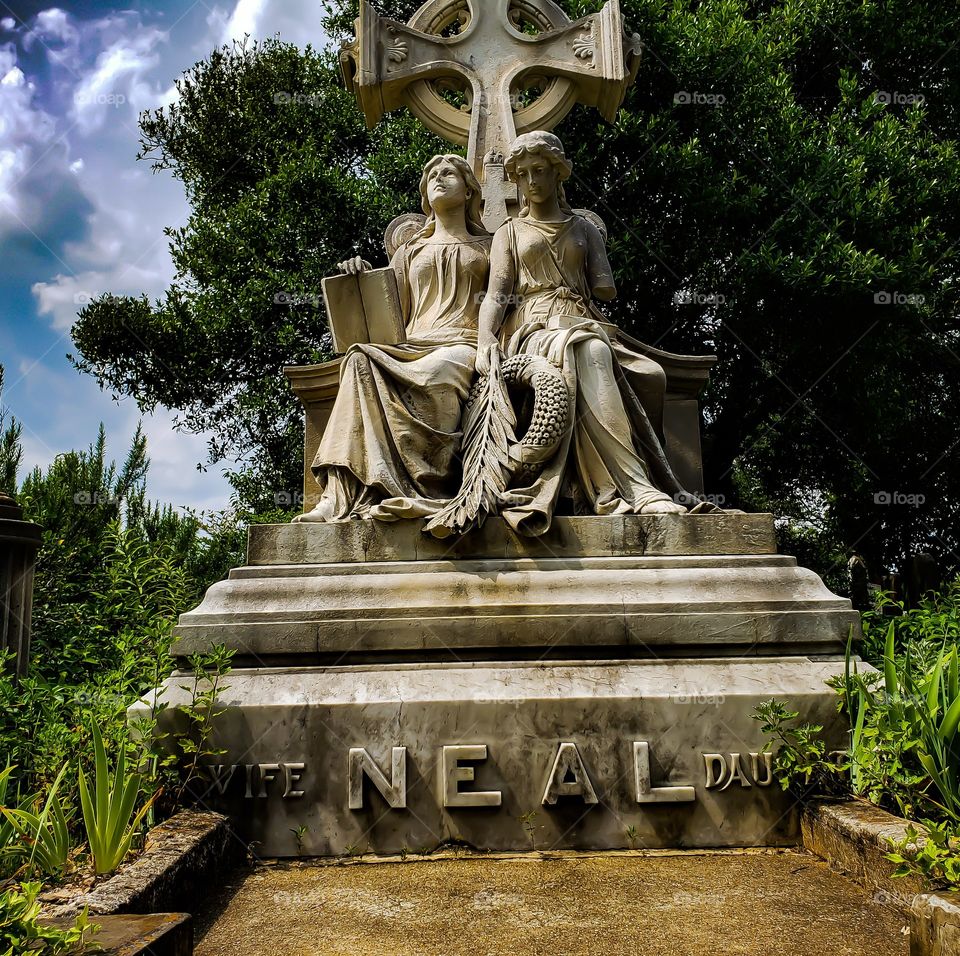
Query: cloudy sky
[[79, 216]]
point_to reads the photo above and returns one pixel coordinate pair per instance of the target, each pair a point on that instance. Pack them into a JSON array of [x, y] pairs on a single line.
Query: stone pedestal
[[591, 688], [19, 543]]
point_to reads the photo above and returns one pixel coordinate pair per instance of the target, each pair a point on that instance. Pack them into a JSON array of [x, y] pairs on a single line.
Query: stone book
[[364, 308]]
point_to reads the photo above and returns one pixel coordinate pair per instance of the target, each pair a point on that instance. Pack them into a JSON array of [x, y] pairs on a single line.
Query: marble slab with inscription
[[585, 755]]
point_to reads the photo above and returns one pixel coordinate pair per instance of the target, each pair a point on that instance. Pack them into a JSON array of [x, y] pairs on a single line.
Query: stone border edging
[[935, 924], [854, 838], [178, 866]]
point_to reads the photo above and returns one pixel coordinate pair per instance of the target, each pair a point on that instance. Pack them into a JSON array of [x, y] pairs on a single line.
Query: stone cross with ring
[[479, 72]]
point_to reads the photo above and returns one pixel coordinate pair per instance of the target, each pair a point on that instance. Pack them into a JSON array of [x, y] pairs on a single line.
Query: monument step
[[654, 606], [572, 537]]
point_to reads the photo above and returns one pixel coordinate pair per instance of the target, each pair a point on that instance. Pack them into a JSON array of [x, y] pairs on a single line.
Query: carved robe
[[615, 456], [390, 448]]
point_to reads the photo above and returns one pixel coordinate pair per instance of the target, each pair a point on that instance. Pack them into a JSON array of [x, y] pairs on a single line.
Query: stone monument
[[19, 543], [507, 616]]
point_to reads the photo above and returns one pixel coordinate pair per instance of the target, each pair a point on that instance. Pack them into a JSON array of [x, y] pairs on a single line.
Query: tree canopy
[[782, 188]]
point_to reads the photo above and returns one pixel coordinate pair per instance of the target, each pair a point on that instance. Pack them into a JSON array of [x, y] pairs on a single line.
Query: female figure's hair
[[475, 224], [540, 143]]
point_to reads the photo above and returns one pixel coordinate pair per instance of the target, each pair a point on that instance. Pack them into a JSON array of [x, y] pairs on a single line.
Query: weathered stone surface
[[641, 606], [390, 64], [610, 536], [855, 837], [157, 934], [935, 924], [181, 859], [288, 736]]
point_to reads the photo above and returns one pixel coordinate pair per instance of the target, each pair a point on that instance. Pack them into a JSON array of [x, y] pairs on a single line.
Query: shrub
[[22, 932]]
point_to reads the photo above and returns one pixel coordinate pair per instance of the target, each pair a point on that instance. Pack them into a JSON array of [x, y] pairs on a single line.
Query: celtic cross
[[478, 72]]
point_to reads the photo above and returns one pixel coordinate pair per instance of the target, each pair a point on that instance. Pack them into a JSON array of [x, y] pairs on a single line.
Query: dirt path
[[755, 904]]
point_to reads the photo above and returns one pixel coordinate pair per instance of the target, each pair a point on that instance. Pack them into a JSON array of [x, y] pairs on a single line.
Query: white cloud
[[297, 21], [245, 19], [26, 131], [52, 26], [73, 407], [63, 296], [102, 73], [80, 133], [8, 23], [117, 79]]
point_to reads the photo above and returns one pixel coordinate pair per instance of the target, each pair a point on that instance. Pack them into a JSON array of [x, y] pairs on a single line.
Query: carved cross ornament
[[479, 72]]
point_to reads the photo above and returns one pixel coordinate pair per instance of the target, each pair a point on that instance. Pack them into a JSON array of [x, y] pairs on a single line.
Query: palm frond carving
[[489, 425]]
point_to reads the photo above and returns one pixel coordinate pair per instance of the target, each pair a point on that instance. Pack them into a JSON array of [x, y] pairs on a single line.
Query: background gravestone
[[19, 543]]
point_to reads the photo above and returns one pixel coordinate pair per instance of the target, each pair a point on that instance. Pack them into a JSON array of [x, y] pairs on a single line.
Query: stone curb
[[935, 924], [854, 838], [180, 863]]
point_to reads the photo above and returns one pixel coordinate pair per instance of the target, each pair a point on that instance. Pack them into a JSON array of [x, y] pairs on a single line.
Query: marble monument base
[[507, 756], [589, 689]]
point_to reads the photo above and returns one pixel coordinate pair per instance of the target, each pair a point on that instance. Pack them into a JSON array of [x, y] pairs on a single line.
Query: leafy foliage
[[22, 932], [113, 574], [43, 834], [109, 807], [11, 453], [201, 713], [800, 762], [904, 749], [934, 856]]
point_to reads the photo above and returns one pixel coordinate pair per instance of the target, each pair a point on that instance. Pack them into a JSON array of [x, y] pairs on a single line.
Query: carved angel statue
[[556, 412], [606, 457], [390, 448]]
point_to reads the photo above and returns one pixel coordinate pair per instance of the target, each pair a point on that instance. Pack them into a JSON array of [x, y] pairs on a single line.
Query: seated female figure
[[389, 449], [551, 262]]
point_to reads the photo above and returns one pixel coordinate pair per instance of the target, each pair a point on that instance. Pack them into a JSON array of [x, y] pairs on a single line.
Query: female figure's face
[[537, 177], [445, 187]]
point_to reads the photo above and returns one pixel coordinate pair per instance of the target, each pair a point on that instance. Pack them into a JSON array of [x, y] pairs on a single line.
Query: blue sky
[[79, 216]]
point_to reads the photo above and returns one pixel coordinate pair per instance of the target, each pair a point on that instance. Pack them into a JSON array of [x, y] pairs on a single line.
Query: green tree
[[11, 454], [296, 186], [782, 188], [113, 573]]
